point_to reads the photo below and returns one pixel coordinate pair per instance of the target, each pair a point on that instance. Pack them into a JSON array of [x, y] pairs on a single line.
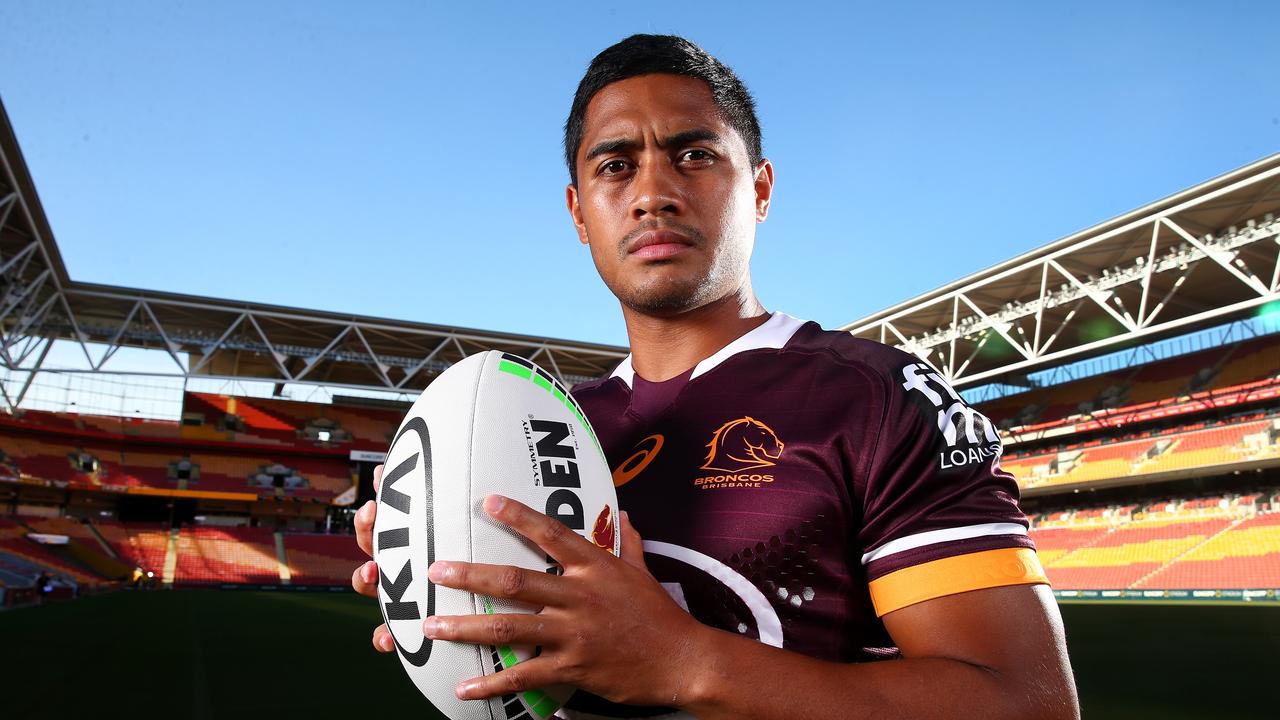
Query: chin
[[668, 299]]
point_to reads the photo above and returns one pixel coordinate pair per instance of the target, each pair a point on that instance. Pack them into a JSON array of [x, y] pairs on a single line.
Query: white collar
[[773, 333]]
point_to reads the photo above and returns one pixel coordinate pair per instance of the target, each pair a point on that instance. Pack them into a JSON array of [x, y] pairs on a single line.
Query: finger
[[382, 641], [377, 477], [554, 537], [528, 675], [365, 579], [632, 544], [497, 630], [364, 526], [504, 581]]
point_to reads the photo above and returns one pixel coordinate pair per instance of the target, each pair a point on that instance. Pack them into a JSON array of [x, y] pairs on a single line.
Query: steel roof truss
[[22, 255], [114, 343], [208, 351], [170, 346], [1221, 257], [421, 364], [1099, 297], [7, 203], [1168, 295], [315, 360], [555, 368], [1001, 328], [373, 358], [276, 356]]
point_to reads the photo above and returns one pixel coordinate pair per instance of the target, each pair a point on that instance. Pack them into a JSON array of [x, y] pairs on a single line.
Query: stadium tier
[[1247, 554], [69, 455], [1214, 543], [1201, 374], [16, 545], [1192, 447], [288, 421]]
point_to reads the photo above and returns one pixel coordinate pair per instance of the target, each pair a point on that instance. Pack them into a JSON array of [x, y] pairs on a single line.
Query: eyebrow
[[606, 147]]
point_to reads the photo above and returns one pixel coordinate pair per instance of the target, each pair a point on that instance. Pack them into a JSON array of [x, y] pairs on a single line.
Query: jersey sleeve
[[939, 515]]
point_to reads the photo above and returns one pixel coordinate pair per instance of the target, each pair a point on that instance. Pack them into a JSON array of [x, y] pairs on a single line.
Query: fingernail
[[439, 571], [429, 627], [465, 689], [496, 503], [386, 643], [367, 572]]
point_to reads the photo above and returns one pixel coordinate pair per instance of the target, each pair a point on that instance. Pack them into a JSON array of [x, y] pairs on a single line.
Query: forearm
[[738, 678]]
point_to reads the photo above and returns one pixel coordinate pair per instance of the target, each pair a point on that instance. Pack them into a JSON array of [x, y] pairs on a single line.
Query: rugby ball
[[492, 423]]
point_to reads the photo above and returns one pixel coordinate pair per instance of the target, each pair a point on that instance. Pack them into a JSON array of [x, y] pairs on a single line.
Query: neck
[[664, 346]]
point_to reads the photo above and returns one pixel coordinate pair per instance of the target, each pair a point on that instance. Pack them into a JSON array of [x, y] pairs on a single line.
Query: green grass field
[[285, 655]]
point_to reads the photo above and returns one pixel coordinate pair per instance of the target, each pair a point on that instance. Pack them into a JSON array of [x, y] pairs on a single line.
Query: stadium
[[1132, 370]]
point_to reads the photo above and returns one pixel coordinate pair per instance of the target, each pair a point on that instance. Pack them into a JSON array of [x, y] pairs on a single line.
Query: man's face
[[666, 196]]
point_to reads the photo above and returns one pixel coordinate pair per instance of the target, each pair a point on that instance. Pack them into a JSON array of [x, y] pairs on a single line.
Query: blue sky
[[403, 159]]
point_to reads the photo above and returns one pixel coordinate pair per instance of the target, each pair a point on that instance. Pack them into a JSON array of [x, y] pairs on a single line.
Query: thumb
[[632, 544]]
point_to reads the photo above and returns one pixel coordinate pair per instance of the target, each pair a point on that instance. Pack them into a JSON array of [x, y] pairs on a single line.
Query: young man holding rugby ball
[[830, 532]]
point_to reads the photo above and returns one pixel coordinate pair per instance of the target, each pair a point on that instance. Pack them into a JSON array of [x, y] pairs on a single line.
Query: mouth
[[658, 245]]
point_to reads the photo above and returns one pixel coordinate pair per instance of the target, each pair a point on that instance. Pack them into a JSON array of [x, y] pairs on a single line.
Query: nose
[[657, 191]]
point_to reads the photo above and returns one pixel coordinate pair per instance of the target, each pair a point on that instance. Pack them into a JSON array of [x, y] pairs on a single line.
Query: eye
[[696, 155], [613, 167]]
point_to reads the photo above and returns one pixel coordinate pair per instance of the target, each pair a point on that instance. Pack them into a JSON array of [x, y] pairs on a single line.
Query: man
[[816, 502]]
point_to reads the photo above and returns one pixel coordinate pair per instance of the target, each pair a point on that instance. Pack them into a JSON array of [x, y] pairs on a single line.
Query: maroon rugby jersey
[[800, 483]]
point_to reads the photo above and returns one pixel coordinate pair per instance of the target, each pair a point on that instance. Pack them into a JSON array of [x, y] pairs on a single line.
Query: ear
[[764, 189], [575, 212]]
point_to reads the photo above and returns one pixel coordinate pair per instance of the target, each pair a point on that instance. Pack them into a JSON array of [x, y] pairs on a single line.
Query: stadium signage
[[368, 456], [555, 465]]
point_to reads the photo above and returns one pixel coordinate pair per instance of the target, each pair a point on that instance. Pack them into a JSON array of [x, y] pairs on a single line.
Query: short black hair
[[670, 54]]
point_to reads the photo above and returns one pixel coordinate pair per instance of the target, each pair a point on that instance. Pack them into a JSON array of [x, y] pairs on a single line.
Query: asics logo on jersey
[[742, 444], [646, 450]]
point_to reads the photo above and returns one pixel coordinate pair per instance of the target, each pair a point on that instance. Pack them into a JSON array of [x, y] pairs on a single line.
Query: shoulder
[[878, 362]]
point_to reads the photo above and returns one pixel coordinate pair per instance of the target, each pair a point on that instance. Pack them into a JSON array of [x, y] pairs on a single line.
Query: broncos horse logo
[[742, 444]]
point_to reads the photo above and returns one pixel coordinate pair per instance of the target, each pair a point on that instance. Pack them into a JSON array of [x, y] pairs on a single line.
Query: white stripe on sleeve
[[931, 537]]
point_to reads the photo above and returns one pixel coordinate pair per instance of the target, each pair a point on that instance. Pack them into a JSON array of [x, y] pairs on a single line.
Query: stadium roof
[[1207, 255], [224, 338]]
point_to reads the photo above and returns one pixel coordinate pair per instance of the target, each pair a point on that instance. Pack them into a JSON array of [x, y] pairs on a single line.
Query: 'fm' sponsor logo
[[953, 416]]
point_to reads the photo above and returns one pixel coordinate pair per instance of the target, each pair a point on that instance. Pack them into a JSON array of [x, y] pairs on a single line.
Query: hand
[[365, 577], [606, 625]]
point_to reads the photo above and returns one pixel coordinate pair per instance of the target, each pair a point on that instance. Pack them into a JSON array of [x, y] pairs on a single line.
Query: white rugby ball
[[492, 423]]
